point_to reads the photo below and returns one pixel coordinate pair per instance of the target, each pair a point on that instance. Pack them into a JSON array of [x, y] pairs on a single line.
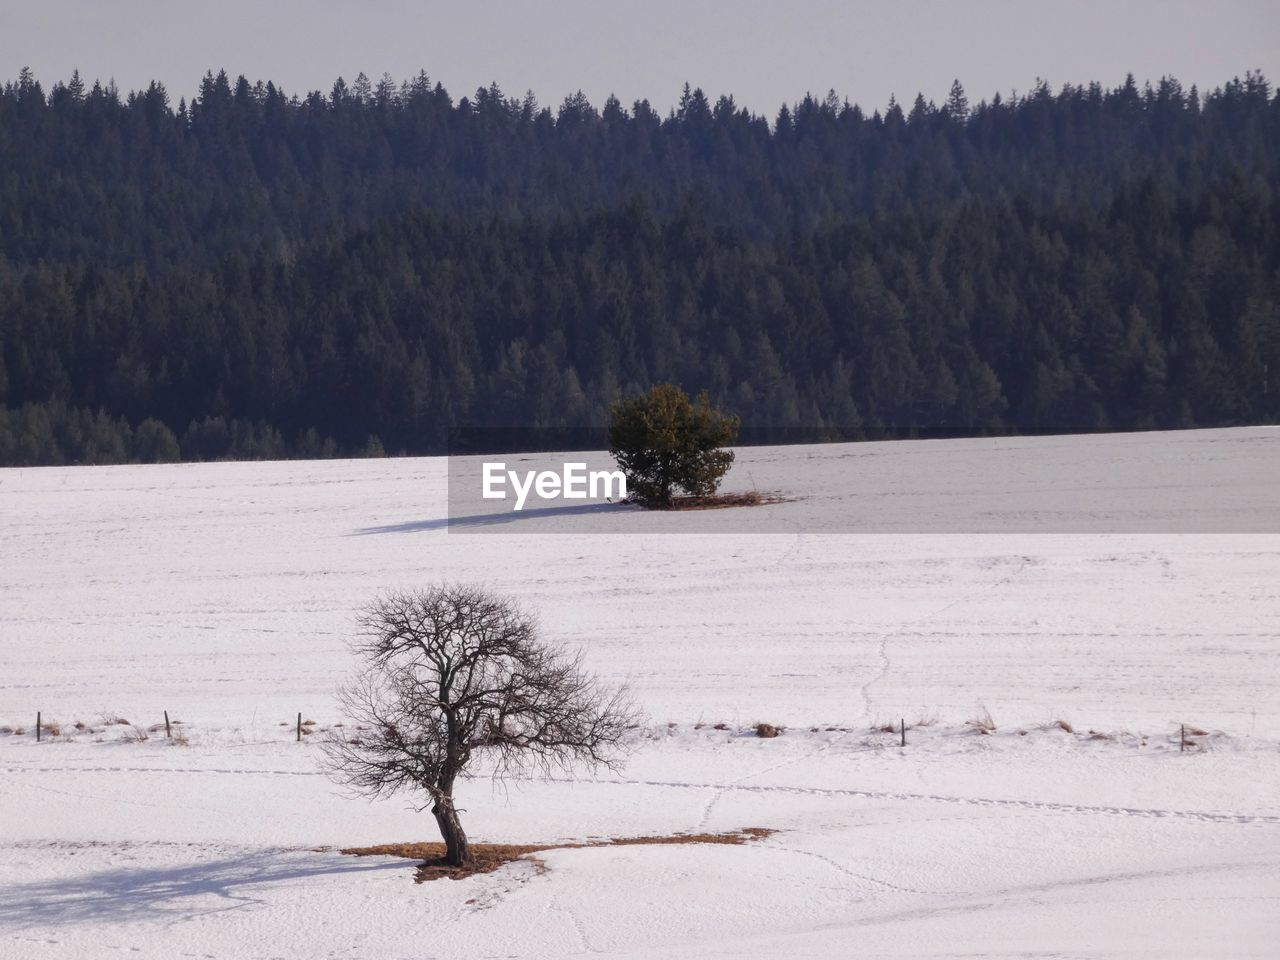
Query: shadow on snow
[[497, 519], [175, 893]]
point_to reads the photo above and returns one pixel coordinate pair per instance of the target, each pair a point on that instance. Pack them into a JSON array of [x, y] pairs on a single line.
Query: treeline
[[89, 174], [254, 275], [52, 434]]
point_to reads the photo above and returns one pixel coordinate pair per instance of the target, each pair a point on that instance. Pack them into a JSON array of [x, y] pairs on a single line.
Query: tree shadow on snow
[[174, 893], [494, 519]]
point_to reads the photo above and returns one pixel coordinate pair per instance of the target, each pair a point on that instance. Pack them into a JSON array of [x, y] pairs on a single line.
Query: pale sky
[[765, 53]]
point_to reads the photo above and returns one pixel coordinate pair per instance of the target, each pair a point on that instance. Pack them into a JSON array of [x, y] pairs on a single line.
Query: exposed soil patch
[[716, 501], [490, 856]]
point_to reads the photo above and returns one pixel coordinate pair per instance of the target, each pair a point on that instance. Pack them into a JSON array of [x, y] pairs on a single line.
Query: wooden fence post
[[37, 726], [166, 726], [299, 728], [903, 721], [1182, 738]]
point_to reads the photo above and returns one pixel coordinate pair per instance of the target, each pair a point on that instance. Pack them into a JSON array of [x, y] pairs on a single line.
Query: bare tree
[[454, 672]]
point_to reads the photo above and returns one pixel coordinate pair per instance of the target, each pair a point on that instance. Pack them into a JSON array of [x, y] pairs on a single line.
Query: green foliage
[[269, 276], [664, 442], [153, 442], [37, 434]]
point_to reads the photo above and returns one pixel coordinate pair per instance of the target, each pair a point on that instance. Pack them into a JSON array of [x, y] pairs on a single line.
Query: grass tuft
[[981, 722]]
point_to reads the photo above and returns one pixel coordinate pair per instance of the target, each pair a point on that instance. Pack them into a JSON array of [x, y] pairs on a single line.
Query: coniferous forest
[[252, 274]]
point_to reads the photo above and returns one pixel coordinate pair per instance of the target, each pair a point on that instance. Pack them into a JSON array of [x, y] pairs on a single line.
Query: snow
[[223, 593]]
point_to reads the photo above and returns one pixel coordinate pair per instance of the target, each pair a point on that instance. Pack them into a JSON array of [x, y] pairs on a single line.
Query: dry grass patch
[[1188, 732], [490, 856], [981, 722], [717, 501]]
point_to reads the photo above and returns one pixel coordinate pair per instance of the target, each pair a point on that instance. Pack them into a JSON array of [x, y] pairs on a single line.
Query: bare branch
[[455, 672]]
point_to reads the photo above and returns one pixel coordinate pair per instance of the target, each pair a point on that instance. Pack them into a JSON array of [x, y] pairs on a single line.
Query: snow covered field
[[223, 593]]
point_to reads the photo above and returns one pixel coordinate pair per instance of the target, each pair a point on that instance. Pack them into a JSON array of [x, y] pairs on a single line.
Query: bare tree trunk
[[457, 849]]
